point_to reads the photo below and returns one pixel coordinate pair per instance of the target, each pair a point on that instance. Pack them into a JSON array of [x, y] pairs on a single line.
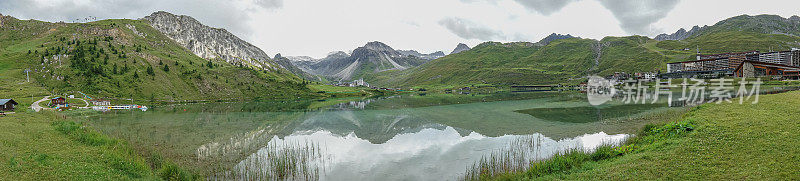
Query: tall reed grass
[[528, 154], [280, 161]]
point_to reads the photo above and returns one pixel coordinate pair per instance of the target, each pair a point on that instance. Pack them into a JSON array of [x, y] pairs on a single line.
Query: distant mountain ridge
[[681, 34], [766, 24], [209, 43], [553, 37], [302, 59], [563, 59], [371, 58], [430, 56], [287, 64]]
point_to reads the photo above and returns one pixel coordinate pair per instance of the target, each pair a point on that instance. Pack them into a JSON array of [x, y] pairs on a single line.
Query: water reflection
[[280, 160], [587, 114], [430, 154], [432, 136]]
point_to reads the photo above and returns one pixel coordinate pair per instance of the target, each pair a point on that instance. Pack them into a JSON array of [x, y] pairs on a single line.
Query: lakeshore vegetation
[[52, 146], [728, 141]]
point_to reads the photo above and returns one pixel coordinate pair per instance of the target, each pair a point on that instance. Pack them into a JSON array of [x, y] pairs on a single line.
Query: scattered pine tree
[[150, 71]]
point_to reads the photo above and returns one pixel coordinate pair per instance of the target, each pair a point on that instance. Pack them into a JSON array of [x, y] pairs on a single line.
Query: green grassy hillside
[[733, 41], [741, 33], [561, 61], [568, 61], [128, 58]]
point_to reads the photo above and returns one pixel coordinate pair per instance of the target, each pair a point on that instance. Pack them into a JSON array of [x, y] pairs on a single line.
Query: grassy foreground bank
[[725, 141], [50, 146]]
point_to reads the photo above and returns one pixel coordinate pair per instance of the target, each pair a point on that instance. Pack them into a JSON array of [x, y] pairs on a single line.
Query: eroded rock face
[[430, 56], [1, 20], [460, 48], [371, 58], [681, 34], [553, 37], [207, 42]]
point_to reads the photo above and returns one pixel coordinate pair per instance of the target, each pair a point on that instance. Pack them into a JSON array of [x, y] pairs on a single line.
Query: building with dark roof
[[7, 105], [727, 64], [762, 69]]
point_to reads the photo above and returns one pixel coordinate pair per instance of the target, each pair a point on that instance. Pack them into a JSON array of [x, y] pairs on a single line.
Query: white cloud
[[270, 4], [545, 7], [637, 16], [470, 30], [315, 27], [231, 15]]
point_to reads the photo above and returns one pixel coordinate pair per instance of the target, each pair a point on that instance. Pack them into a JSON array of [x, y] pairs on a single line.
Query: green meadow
[[728, 141]]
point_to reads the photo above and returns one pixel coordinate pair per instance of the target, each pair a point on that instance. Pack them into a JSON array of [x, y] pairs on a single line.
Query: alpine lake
[[413, 136]]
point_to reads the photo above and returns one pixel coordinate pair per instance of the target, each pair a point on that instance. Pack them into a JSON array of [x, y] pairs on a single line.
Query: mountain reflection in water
[[430, 154], [431, 137]]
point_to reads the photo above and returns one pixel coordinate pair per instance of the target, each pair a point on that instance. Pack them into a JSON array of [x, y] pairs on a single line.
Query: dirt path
[[35, 106]]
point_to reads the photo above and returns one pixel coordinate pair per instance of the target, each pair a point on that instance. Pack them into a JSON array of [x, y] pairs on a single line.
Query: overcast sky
[[316, 27]]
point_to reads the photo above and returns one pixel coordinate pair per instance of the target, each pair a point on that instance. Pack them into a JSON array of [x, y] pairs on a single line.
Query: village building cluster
[[355, 83], [780, 65]]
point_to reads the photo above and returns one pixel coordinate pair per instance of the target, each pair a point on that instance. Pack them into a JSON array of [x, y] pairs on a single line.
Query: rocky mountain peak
[[378, 46], [430, 56], [366, 60], [337, 54], [278, 56], [680, 34], [794, 18], [207, 42], [302, 59], [553, 37], [460, 48], [681, 31]]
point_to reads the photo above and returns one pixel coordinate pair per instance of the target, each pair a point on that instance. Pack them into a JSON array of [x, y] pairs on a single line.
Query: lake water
[[406, 137]]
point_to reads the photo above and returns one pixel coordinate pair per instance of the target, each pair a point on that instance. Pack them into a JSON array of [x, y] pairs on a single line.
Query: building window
[[760, 72]]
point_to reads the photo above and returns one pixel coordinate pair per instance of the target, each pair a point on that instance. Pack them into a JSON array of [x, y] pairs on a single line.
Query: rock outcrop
[[207, 42], [553, 37], [460, 48], [302, 59], [681, 34], [430, 56], [288, 65]]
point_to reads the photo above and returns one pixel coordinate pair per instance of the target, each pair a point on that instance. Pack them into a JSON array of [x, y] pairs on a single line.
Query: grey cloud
[[519, 37], [472, 1], [68, 10], [270, 4], [221, 14], [637, 16], [470, 30], [412, 23], [544, 7]]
